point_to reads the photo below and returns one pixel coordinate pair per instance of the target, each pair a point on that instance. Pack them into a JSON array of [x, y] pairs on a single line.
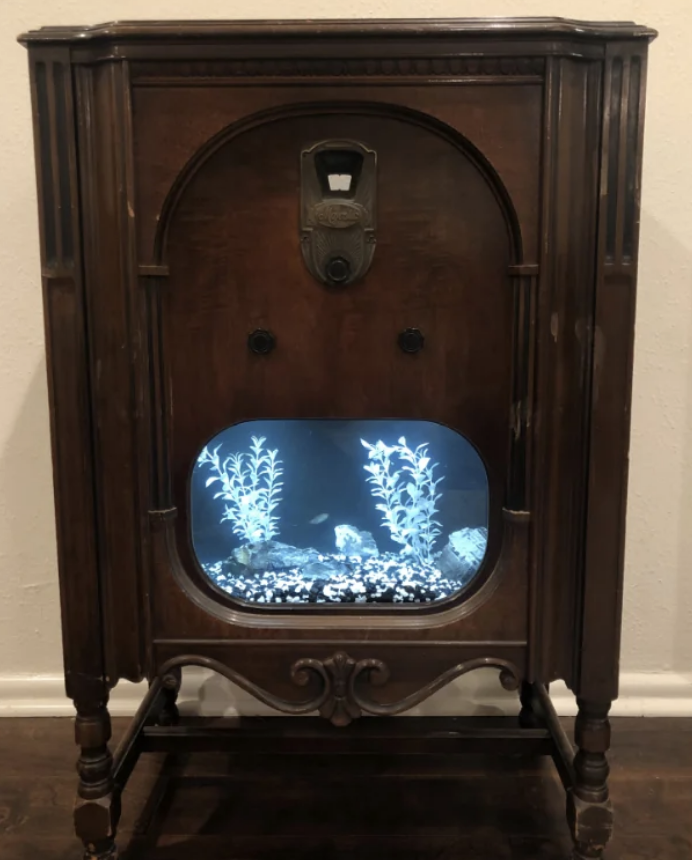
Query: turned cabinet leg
[[96, 810], [527, 716], [168, 715], [589, 811]]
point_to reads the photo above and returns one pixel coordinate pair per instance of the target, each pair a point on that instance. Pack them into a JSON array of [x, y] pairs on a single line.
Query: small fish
[[320, 518]]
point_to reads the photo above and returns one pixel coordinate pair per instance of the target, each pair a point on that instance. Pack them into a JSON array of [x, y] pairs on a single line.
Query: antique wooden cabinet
[[369, 287]]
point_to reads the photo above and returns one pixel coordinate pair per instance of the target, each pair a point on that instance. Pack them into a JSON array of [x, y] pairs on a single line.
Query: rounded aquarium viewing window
[[339, 512]]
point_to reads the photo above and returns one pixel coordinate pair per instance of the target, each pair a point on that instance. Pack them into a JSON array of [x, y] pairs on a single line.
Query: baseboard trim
[[664, 694]]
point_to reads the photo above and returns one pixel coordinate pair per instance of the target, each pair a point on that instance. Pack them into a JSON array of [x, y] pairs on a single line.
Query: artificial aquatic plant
[[251, 486], [408, 492]]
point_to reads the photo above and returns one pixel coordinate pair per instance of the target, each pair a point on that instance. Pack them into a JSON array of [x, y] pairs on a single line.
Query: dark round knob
[[261, 341], [411, 340], [338, 270]]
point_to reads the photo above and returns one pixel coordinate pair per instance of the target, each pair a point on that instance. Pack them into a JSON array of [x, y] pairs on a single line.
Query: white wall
[[658, 605]]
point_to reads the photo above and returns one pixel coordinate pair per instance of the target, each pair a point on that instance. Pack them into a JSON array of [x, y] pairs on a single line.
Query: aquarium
[[339, 511]]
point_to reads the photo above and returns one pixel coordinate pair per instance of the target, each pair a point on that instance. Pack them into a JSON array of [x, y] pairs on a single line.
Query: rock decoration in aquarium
[[351, 541], [464, 552], [273, 555], [401, 479]]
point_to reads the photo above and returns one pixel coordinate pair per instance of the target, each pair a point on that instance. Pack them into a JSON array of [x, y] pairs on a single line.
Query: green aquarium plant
[[250, 484], [403, 479]]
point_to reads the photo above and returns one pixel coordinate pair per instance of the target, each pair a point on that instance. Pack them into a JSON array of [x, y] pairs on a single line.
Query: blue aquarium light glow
[[334, 556]]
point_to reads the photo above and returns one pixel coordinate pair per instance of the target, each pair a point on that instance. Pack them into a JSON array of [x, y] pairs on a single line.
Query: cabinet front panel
[[440, 269]]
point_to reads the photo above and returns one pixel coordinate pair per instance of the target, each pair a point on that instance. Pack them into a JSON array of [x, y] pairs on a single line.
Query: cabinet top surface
[[388, 28]]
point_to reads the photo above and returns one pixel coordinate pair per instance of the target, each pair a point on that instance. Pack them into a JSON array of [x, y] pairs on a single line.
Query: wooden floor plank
[[211, 807]]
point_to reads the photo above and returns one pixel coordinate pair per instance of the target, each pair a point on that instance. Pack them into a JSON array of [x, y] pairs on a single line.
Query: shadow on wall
[[29, 598], [679, 259], [477, 694], [657, 632]]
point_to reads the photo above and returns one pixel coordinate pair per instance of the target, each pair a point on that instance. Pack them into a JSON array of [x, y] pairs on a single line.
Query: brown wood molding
[[329, 28], [341, 683], [528, 68]]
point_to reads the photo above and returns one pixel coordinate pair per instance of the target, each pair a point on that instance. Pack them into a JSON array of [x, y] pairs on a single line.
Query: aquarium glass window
[[339, 512]]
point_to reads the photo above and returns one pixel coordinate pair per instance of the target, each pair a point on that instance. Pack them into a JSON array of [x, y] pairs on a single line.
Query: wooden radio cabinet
[[339, 321]]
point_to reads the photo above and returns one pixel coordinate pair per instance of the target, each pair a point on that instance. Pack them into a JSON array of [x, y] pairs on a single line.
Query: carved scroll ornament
[[343, 684]]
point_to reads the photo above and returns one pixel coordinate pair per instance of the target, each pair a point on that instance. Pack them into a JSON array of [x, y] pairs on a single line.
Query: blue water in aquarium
[[335, 511]]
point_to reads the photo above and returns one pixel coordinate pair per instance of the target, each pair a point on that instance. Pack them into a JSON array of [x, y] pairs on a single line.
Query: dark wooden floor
[[213, 807]]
